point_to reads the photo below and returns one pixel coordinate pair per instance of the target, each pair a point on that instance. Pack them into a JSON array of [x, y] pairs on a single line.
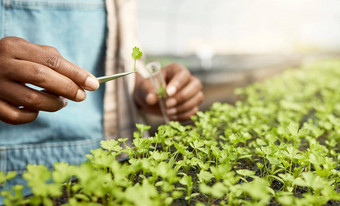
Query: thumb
[[145, 92], [151, 98]]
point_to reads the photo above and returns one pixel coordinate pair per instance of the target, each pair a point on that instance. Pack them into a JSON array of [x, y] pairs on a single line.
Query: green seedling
[[161, 92], [136, 54], [278, 146]]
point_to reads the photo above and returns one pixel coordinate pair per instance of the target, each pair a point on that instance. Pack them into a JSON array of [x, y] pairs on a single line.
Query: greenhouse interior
[[220, 102]]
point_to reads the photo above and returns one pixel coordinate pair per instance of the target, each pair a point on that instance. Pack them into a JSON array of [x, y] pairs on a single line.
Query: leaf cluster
[[279, 146]]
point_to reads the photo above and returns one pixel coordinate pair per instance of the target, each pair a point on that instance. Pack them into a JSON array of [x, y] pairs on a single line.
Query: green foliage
[[279, 146], [4, 177]]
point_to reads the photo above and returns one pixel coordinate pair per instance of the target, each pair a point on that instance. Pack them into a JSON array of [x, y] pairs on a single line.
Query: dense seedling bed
[[279, 146]]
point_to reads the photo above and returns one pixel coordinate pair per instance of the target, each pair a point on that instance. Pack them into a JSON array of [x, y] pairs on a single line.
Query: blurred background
[[184, 27], [232, 43]]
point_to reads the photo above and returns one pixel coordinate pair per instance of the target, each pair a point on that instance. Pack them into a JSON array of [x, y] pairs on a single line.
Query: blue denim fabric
[[77, 28]]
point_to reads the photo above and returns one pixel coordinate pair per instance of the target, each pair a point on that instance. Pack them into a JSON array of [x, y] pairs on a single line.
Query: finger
[[50, 49], [145, 103], [151, 98], [145, 91], [176, 77], [184, 116], [24, 50], [13, 115], [144, 106], [30, 98], [42, 76], [190, 90], [186, 106]]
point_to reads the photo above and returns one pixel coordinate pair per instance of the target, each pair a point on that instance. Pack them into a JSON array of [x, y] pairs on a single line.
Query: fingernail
[[64, 101], [91, 83], [171, 90], [172, 111], [171, 102], [81, 95]]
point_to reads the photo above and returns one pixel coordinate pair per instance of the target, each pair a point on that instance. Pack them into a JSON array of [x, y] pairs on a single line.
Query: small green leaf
[[136, 53], [8, 176], [142, 127], [293, 128], [259, 165], [261, 142], [62, 172], [161, 93], [177, 194], [111, 145], [245, 172], [219, 190], [205, 176]]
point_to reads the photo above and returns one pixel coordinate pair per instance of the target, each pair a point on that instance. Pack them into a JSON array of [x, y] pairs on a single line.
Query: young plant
[[136, 54], [278, 146]]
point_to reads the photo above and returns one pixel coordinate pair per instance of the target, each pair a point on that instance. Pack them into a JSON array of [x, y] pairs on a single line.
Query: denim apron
[[77, 28]]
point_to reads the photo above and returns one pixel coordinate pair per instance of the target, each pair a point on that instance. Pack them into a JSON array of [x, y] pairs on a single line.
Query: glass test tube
[[154, 69]]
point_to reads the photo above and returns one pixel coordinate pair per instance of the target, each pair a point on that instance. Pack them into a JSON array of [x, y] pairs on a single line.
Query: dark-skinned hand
[[184, 93], [21, 63]]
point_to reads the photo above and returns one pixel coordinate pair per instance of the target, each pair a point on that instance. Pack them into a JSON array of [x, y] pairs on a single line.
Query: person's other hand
[[184, 93], [21, 63]]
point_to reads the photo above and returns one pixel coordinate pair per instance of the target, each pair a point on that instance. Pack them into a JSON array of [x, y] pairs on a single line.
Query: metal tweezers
[[104, 79]]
